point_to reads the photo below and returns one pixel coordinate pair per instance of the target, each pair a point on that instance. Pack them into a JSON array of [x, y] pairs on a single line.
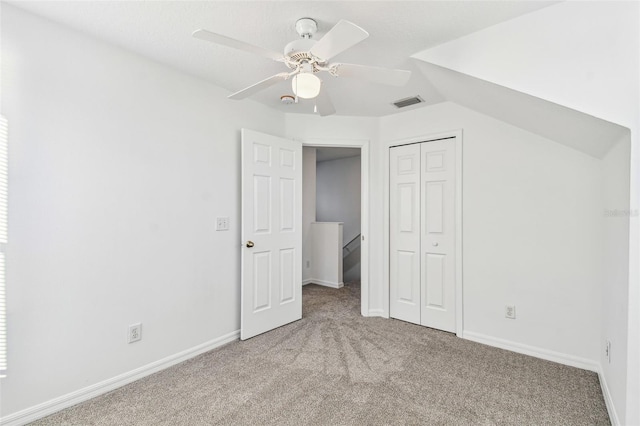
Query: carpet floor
[[335, 367]]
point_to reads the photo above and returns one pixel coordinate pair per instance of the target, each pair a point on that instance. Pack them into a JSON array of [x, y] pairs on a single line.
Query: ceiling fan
[[305, 57]]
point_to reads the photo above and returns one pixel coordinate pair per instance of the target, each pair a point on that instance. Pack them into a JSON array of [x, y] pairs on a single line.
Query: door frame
[[363, 144], [386, 146]]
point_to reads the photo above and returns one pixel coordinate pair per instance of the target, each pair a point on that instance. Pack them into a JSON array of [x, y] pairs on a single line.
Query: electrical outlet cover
[[134, 333], [510, 312]]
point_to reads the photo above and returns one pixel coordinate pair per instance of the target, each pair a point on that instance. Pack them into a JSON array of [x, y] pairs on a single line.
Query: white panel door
[[271, 290], [438, 281], [404, 228]]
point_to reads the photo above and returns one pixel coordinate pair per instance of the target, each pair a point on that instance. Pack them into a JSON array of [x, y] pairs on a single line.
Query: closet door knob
[[435, 244], [250, 244]]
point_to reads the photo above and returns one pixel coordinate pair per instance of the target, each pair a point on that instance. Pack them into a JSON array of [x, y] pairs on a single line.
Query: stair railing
[[351, 245]]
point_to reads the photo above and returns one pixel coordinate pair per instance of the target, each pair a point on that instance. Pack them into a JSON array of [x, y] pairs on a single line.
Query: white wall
[[339, 200], [326, 266], [531, 218], [615, 193], [338, 194], [118, 168], [586, 56], [308, 208]]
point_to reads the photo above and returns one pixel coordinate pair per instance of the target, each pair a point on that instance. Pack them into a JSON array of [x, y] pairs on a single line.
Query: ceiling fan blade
[[373, 74], [237, 44], [324, 105], [261, 85], [339, 38]]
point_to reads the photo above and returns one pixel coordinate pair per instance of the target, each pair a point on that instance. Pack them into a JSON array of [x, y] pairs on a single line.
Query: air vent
[[408, 101]]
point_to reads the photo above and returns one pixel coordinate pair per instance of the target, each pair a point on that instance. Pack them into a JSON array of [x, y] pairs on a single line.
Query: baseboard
[[376, 313], [49, 407], [558, 357], [611, 409], [328, 283], [561, 358], [307, 281]]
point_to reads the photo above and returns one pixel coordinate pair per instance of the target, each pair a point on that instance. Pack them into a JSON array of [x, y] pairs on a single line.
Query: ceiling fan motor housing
[[299, 46], [297, 52]]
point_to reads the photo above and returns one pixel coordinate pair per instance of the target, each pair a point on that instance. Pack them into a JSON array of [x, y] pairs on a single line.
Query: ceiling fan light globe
[[306, 85]]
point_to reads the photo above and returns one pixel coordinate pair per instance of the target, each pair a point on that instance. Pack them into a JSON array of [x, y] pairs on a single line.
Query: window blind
[[4, 187]]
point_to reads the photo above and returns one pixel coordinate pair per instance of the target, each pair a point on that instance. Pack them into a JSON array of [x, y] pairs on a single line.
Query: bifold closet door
[[404, 228], [438, 280], [422, 234]]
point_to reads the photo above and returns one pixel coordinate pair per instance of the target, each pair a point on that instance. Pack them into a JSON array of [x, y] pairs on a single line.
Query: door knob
[[435, 244], [249, 244]]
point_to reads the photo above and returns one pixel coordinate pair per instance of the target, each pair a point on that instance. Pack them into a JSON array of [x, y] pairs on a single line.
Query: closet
[[422, 202]]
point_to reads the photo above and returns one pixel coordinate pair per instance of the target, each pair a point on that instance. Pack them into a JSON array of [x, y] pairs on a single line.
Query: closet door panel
[[437, 187], [405, 229]]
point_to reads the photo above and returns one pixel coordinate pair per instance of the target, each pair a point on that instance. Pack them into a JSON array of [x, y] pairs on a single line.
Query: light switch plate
[[222, 224]]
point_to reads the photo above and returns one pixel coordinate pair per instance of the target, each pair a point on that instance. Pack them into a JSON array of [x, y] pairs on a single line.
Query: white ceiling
[[328, 154], [161, 30], [566, 126]]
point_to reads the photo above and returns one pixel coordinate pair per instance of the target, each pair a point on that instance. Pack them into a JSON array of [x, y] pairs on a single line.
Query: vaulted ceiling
[[575, 129], [399, 31], [161, 31]]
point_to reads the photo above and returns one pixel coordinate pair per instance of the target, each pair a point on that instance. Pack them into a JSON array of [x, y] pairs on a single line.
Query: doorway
[[272, 214], [318, 205], [338, 202]]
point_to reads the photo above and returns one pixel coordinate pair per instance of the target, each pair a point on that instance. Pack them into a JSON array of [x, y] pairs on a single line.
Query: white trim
[[559, 357], [49, 407], [4, 196], [328, 283], [307, 281], [611, 408], [459, 278], [457, 134], [375, 313], [363, 144]]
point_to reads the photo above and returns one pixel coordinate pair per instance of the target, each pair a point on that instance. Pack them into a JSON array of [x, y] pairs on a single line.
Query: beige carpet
[[335, 367]]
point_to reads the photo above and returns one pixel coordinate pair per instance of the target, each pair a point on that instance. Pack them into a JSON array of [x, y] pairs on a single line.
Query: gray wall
[[338, 194], [338, 200]]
